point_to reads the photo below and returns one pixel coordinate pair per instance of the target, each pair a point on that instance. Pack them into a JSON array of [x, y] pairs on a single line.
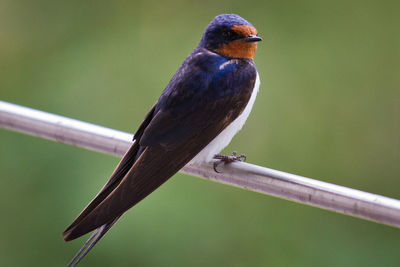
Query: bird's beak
[[252, 38]]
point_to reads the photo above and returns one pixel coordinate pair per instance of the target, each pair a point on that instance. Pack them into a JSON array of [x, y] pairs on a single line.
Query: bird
[[204, 105]]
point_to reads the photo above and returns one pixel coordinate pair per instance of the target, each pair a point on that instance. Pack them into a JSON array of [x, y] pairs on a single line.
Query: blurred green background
[[328, 108]]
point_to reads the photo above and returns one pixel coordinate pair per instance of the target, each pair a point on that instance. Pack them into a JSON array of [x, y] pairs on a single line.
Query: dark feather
[[123, 167], [198, 103]]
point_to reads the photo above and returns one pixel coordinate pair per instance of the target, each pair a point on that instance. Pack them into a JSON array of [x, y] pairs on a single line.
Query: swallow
[[204, 105]]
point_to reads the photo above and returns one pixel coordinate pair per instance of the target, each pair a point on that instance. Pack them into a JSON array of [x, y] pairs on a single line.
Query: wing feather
[[189, 114], [120, 171]]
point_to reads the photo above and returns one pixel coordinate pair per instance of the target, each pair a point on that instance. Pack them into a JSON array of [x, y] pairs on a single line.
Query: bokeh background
[[328, 108]]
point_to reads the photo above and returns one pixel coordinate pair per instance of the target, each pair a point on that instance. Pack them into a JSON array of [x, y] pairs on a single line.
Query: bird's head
[[232, 36]]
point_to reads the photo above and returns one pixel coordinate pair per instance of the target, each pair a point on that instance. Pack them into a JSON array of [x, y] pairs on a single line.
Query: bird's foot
[[228, 159]]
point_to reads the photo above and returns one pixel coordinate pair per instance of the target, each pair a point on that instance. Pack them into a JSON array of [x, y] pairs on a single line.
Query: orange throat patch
[[238, 49]]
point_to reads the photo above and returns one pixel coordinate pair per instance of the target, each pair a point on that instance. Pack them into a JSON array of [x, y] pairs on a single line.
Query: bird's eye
[[230, 35], [227, 34]]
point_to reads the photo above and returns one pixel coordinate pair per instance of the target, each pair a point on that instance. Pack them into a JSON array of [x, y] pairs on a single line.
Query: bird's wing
[[120, 171], [184, 121]]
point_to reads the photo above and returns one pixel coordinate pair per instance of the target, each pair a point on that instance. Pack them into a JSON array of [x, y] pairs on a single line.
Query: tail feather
[[91, 242]]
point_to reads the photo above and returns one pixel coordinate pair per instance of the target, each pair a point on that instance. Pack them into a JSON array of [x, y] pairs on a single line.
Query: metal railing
[[244, 175]]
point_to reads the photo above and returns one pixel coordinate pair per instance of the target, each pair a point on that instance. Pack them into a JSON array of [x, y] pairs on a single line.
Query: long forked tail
[[89, 244]]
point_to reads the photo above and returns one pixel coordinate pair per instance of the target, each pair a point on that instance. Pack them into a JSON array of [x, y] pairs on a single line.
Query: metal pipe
[[244, 175]]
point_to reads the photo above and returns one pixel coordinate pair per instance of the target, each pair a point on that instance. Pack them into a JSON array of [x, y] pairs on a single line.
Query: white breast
[[225, 137]]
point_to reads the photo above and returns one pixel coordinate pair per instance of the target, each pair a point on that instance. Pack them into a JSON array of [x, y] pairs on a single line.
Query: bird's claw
[[228, 159]]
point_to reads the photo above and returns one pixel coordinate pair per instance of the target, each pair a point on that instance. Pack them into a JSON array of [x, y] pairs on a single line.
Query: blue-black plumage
[[206, 102]]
